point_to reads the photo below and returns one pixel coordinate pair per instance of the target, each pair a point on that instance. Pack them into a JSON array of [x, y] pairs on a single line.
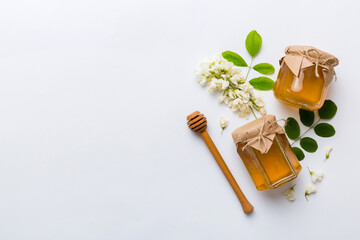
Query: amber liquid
[[306, 91], [274, 168]]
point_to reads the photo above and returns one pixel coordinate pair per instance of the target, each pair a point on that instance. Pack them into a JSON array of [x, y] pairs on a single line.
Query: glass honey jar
[[266, 153], [304, 77]]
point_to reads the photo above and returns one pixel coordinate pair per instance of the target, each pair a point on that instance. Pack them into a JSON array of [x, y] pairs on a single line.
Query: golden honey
[[305, 91], [274, 168], [266, 153], [304, 77]]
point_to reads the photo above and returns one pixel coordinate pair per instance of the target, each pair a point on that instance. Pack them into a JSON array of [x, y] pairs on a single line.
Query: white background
[[93, 138]]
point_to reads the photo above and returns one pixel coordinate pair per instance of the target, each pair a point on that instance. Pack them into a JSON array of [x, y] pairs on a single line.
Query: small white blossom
[[222, 98], [328, 150], [224, 77], [309, 190], [224, 122], [262, 111], [290, 193], [316, 176]]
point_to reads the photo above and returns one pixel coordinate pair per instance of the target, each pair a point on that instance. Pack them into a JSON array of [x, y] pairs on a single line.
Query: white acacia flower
[[224, 122], [224, 77], [222, 98], [262, 111], [202, 80], [328, 150], [290, 193], [316, 176], [224, 84], [309, 190], [259, 102]]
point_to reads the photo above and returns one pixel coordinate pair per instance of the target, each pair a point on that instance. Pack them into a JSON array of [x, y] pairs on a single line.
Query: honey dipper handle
[[246, 205]]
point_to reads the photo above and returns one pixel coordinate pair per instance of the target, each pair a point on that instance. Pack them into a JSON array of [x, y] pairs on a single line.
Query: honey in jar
[[304, 77], [266, 153]]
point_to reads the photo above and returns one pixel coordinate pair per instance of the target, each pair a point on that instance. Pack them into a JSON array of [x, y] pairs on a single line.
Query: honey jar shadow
[[278, 193], [288, 110]]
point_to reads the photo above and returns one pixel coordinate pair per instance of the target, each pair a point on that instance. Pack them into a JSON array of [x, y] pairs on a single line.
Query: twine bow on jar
[[315, 59], [311, 56], [265, 138], [259, 134]]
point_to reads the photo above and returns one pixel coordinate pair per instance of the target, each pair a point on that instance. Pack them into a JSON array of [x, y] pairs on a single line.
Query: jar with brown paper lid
[[266, 153], [304, 77]]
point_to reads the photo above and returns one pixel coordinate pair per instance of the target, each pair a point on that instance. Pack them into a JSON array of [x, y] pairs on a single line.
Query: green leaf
[[328, 110], [253, 43], [299, 153], [292, 128], [264, 68], [306, 117], [324, 130], [262, 83], [309, 144], [235, 58]]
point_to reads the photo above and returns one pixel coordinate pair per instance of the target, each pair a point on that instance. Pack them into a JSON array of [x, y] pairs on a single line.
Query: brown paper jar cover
[[266, 153], [304, 77]]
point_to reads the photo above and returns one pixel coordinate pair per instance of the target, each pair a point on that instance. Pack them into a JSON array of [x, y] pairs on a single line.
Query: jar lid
[[259, 133], [300, 57]]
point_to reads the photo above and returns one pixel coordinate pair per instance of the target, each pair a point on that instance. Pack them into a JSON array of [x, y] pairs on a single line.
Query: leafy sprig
[[292, 128], [253, 45]]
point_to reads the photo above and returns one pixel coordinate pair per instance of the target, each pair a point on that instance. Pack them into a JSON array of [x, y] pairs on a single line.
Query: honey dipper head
[[197, 122]]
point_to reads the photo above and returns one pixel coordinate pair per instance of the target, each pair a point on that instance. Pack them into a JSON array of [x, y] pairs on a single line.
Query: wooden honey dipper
[[197, 123]]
